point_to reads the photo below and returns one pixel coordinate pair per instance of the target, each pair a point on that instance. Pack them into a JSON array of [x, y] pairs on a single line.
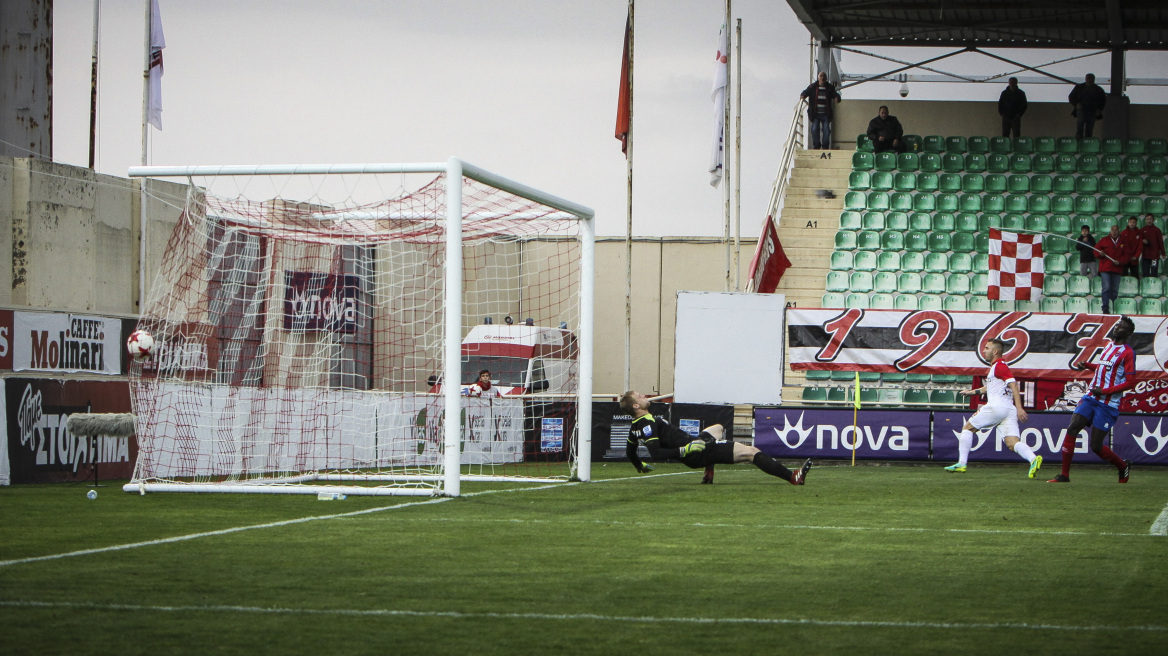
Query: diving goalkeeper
[[666, 441]]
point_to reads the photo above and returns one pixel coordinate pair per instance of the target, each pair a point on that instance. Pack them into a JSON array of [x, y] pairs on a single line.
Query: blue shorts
[[1101, 415]]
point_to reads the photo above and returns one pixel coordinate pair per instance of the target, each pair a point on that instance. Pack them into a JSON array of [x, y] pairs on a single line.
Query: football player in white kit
[[1003, 408]]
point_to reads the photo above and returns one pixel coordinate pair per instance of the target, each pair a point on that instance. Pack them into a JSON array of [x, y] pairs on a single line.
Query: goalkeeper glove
[[693, 447]]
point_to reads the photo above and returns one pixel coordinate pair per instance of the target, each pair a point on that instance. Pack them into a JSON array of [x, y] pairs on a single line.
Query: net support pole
[[452, 374], [584, 402]]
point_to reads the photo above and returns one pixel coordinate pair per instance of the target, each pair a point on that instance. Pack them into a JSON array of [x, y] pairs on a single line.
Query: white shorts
[[1005, 417]]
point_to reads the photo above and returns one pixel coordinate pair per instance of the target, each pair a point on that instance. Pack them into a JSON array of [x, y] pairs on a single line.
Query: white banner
[[729, 348], [44, 341]]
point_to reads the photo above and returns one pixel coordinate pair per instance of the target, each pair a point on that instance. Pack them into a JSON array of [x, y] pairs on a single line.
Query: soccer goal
[[317, 330]]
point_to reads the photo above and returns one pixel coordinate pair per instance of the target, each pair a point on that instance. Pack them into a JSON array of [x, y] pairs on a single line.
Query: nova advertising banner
[[1039, 346], [1042, 431], [1141, 439], [44, 341], [812, 433]]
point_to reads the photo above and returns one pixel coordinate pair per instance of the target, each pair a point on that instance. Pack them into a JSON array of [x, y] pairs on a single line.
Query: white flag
[[721, 78], [157, 43]]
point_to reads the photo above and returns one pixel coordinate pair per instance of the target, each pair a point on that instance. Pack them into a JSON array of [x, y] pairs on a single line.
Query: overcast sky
[[525, 88]]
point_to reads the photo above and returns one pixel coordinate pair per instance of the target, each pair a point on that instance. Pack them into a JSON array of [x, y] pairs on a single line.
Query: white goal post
[[187, 443]]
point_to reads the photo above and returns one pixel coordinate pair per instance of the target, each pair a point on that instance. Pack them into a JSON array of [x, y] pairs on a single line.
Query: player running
[[1114, 373], [1003, 409], [666, 441]]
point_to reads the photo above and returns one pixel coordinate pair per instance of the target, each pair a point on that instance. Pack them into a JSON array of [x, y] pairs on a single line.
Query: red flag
[[769, 262], [624, 103], [1016, 267]]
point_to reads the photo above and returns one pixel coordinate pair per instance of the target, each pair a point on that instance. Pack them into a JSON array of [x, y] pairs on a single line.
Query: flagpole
[[93, 88], [726, 194], [142, 183], [738, 157], [1051, 234], [855, 413], [629, 215], [146, 84]]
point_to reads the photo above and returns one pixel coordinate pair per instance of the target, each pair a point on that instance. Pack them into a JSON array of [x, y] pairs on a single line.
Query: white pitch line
[[630, 619], [1160, 526]]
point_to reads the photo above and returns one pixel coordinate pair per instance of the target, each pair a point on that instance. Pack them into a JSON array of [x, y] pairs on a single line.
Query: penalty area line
[[1160, 526], [629, 619]]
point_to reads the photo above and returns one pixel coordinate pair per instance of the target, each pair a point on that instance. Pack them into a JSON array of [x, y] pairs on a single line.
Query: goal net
[[317, 330]]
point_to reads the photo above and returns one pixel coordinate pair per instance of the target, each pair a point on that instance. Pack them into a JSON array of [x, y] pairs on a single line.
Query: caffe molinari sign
[[67, 343]]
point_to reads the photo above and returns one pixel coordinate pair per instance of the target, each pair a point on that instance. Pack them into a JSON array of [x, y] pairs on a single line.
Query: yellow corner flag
[[857, 400]]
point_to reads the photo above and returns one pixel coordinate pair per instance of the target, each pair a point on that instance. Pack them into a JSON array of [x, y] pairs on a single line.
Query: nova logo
[[829, 436], [1150, 438], [802, 433]]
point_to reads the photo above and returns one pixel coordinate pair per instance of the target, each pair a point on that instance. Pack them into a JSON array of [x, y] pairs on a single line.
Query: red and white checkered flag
[[1015, 266]]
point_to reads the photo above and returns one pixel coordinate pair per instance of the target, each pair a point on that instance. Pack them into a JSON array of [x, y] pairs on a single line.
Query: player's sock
[[1068, 452], [1024, 450], [709, 477], [771, 466], [1110, 456], [964, 444]]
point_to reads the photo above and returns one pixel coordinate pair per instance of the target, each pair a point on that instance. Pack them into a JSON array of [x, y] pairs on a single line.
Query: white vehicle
[[522, 359]]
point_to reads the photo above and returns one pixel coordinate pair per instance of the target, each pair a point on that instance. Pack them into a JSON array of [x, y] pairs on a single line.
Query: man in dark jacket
[[819, 96], [1088, 99], [1011, 107], [1153, 248], [885, 132]]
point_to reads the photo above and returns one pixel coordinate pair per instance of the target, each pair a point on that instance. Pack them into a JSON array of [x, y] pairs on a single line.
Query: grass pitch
[[864, 560]]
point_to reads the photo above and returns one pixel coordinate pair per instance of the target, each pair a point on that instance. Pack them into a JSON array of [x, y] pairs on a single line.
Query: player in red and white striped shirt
[[1003, 409], [1100, 407]]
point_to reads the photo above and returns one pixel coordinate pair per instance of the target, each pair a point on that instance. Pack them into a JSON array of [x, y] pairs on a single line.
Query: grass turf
[[871, 559]]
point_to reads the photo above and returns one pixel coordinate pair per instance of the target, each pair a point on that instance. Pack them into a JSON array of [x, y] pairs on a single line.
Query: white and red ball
[[140, 345]]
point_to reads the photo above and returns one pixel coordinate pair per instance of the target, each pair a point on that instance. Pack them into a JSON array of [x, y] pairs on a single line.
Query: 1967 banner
[[935, 342]]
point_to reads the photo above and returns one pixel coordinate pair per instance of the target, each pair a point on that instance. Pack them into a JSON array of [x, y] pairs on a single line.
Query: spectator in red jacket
[[1110, 252], [1133, 244], [1153, 251]]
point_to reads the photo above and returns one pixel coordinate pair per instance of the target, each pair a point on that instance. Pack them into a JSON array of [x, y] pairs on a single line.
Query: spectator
[[483, 387], [1153, 244], [1132, 241], [1088, 99], [1086, 245], [819, 96], [1011, 107], [885, 132], [1111, 252]]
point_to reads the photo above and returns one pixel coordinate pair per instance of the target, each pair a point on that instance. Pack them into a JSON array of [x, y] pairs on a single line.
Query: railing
[[794, 142]]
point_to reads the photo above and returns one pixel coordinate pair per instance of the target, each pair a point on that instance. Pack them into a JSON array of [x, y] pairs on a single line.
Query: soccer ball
[[140, 345]]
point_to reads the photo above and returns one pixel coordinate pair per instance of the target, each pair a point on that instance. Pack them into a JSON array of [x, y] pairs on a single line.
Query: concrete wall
[[26, 68]]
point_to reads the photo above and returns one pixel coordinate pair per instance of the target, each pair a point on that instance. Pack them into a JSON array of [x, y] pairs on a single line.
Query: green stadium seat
[[998, 163], [1157, 146], [860, 282], [924, 202], [1023, 145], [817, 374], [1151, 306], [892, 241], [1125, 305], [885, 161], [977, 304], [960, 263], [944, 378], [1109, 184], [1134, 165], [1018, 184], [863, 143], [1002, 306], [1096, 286], [953, 163], [907, 162], [981, 242], [954, 304], [1087, 164], [1013, 222], [1042, 163], [1076, 305], [888, 262], [1080, 220], [975, 163], [1054, 264], [1151, 286], [1020, 164], [916, 396], [868, 240], [979, 145], [949, 182], [929, 162], [1000, 145], [972, 183], [1087, 184], [878, 201], [1131, 205], [920, 221], [842, 260], [906, 302], [861, 261], [1037, 223], [970, 202], [1157, 165], [1156, 185], [912, 262], [896, 220], [873, 221], [904, 181], [1060, 224], [931, 303], [902, 201], [995, 183], [1046, 145], [1103, 205], [957, 285], [946, 202], [850, 220], [915, 241], [1056, 245], [855, 200], [837, 281], [992, 203], [884, 282], [1065, 184], [1095, 305], [863, 160], [859, 181], [1038, 204], [1111, 164], [937, 261], [909, 283], [1041, 184], [956, 145], [1129, 286], [845, 240], [814, 394], [963, 242], [1135, 146], [1016, 203], [1062, 204], [840, 394], [927, 182], [912, 143], [1066, 163], [943, 397], [933, 283], [1052, 305], [1111, 145], [933, 144], [880, 180], [987, 221], [964, 222], [1068, 145], [1156, 205], [1090, 145]]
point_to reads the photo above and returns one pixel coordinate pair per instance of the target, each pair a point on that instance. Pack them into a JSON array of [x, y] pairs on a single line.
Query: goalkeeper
[[666, 441]]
